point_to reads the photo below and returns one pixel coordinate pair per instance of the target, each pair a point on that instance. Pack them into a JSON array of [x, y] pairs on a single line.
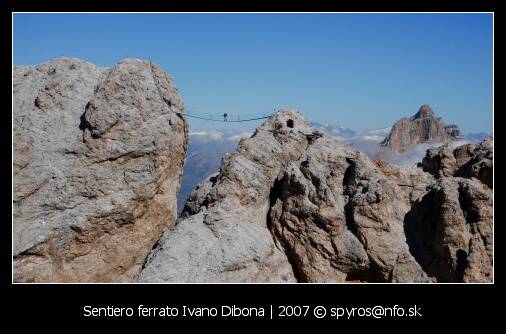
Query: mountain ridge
[[98, 157], [292, 204]]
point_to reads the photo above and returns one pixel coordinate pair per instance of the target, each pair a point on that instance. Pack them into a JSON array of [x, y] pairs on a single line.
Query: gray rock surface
[[295, 205], [340, 218], [98, 155], [449, 231], [469, 161], [229, 240], [423, 127], [197, 197]]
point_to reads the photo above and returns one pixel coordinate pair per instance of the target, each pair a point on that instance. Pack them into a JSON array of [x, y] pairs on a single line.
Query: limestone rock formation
[[228, 239], [423, 127], [98, 158], [449, 231], [98, 155], [197, 197], [469, 161], [293, 204], [339, 218]]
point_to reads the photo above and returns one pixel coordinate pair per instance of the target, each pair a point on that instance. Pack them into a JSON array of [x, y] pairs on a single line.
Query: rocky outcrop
[[469, 161], [197, 197], [228, 239], [98, 155], [423, 127], [293, 204], [340, 219], [450, 233]]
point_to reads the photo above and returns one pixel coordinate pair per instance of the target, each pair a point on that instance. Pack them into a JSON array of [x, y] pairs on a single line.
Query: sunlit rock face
[[98, 155], [423, 127]]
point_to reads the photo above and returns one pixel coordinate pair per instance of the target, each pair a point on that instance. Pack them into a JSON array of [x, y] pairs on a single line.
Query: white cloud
[[214, 135], [240, 135], [413, 156], [207, 135], [417, 153], [375, 138]]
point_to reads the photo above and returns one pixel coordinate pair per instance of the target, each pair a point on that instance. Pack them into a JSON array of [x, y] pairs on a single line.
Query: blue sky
[[356, 70]]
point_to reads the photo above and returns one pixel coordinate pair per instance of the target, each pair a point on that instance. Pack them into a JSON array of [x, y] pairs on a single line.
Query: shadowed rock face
[[423, 127], [449, 231], [198, 196], [296, 205], [98, 155]]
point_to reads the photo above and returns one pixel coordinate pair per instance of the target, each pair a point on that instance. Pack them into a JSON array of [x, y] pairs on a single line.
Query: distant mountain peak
[[425, 111], [423, 127]]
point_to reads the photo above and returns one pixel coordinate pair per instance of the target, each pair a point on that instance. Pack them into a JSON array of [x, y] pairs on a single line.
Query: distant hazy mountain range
[[343, 133], [206, 148], [366, 141], [475, 137]]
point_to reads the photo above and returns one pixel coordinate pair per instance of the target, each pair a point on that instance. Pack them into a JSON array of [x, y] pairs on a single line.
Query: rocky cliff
[[98, 155], [469, 161], [423, 127], [294, 205]]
